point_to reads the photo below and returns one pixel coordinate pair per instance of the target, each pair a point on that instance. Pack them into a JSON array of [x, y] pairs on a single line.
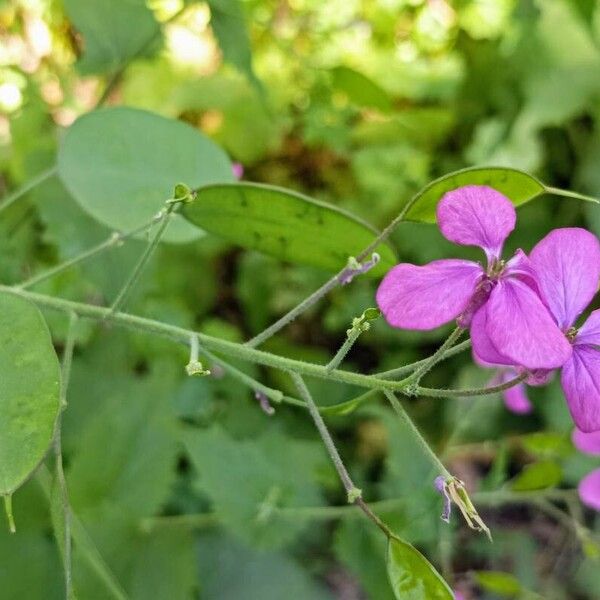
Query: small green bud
[[353, 495], [195, 368]]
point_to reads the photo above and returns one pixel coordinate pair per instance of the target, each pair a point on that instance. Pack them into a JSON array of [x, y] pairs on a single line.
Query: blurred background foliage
[[357, 102]]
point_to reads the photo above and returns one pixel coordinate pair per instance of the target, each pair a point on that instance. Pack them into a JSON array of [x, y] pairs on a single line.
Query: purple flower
[[589, 486], [567, 264], [501, 303], [515, 398]]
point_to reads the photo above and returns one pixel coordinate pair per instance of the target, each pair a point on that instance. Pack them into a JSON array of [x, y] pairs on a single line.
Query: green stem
[[485, 391], [570, 194], [392, 373], [327, 286], [114, 240], [270, 331], [353, 493], [85, 543], [27, 187], [8, 509], [140, 265], [60, 473], [352, 336], [416, 434], [436, 357]]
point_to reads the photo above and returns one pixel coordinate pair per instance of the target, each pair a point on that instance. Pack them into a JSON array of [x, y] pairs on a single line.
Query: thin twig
[[26, 187]]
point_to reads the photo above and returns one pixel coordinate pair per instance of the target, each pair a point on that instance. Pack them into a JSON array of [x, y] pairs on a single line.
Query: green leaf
[[121, 165], [360, 89], [537, 476], [113, 32], [547, 444], [284, 224], [227, 21], [29, 390], [411, 575], [497, 582], [516, 185]]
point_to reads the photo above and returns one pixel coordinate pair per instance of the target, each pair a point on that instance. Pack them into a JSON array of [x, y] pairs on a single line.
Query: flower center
[[571, 334], [495, 268]]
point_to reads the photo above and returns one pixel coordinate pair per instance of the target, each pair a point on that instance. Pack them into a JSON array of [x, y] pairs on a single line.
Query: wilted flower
[[589, 486], [501, 303]]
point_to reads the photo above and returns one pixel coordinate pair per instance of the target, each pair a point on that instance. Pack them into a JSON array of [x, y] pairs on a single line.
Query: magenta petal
[[589, 333], [580, 381], [588, 443], [477, 215], [515, 398], [484, 351], [567, 265], [589, 490], [426, 297], [521, 328]]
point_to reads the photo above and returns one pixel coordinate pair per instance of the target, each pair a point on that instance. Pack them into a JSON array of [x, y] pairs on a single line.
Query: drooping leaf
[[29, 390], [538, 476], [284, 224], [497, 582], [113, 32], [227, 21], [360, 89], [516, 185], [121, 165], [412, 576]]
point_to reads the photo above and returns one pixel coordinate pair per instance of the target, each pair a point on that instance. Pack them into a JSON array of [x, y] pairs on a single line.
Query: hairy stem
[[485, 391], [140, 265], [352, 336], [114, 240], [60, 473], [416, 434], [353, 493], [436, 357], [27, 187]]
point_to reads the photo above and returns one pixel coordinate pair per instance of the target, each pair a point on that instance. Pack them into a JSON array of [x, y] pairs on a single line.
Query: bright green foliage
[[122, 164], [503, 584], [114, 32], [537, 476], [289, 226], [411, 575], [516, 185], [361, 90], [29, 391]]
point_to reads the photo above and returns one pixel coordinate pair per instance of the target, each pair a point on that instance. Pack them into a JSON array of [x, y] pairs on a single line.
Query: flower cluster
[[521, 312]]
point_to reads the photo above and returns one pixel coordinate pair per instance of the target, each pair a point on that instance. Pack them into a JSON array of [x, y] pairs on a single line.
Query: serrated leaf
[[284, 224], [497, 582], [518, 186], [360, 89], [537, 476], [122, 164], [412, 576], [113, 31], [29, 390]]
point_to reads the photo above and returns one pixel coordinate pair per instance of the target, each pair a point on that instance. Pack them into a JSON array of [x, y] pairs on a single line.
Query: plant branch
[[485, 391], [27, 187], [353, 493], [165, 217], [114, 240]]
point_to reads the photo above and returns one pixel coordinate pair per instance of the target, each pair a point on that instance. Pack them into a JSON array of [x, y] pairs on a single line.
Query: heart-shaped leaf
[[29, 391], [412, 576], [284, 224], [121, 164], [514, 184]]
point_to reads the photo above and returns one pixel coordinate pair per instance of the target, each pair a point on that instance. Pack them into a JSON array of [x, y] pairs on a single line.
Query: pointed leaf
[[538, 476], [497, 582], [29, 391], [121, 164], [284, 224], [515, 185], [361, 90], [411, 575]]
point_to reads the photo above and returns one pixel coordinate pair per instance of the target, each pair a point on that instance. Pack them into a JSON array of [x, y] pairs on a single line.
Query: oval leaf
[[29, 391], [537, 476], [411, 575], [514, 184], [121, 164], [284, 224]]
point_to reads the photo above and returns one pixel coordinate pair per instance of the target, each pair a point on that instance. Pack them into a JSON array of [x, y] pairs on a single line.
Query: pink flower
[[515, 398], [501, 303], [567, 265], [589, 486]]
